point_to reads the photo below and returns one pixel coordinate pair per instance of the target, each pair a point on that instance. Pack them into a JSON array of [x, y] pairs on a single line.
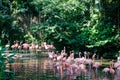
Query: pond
[[37, 67]]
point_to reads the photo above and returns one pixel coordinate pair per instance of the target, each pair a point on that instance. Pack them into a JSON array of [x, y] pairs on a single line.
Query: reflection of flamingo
[[106, 78]]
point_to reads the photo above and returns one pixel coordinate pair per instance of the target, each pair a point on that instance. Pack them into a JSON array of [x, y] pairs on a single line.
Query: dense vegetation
[[79, 25]]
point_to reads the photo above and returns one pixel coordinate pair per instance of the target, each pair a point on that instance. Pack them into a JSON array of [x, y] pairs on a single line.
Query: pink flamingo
[[109, 70], [117, 66], [112, 71], [26, 46], [72, 56], [74, 71], [15, 45], [20, 47], [45, 45], [74, 68], [82, 60], [106, 70], [76, 60], [96, 65], [89, 62], [85, 54], [106, 78], [63, 53], [117, 75], [83, 69], [50, 55]]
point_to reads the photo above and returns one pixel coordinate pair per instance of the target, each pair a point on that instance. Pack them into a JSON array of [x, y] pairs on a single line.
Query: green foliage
[[5, 59], [8, 26], [77, 24]]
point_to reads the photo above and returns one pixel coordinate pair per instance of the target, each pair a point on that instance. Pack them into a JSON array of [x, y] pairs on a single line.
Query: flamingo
[[118, 58], [26, 46], [15, 46], [83, 69], [85, 54], [50, 55], [112, 71], [96, 65], [82, 60], [93, 57], [117, 76], [106, 70], [76, 60], [80, 54], [19, 47], [117, 66], [74, 70], [90, 62]]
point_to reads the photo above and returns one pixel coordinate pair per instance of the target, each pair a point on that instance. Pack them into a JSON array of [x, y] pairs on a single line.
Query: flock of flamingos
[[32, 46], [82, 65], [68, 65]]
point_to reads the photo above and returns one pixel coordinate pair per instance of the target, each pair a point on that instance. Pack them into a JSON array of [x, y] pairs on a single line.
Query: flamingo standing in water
[[106, 70], [26, 47], [109, 70], [83, 70], [74, 71], [89, 61], [112, 71], [96, 65], [15, 45], [117, 66]]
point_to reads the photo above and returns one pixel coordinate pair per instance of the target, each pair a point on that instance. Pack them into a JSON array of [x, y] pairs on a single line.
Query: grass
[[106, 62]]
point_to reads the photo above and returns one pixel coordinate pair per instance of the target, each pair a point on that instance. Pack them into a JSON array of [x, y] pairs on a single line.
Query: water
[[37, 67], [32, 67]]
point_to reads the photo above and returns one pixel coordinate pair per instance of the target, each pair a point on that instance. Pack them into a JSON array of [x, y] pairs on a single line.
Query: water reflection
[[32, 67]]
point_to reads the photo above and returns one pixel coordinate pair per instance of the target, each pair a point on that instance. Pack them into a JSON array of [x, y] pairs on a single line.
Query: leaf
[[8, 71]]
